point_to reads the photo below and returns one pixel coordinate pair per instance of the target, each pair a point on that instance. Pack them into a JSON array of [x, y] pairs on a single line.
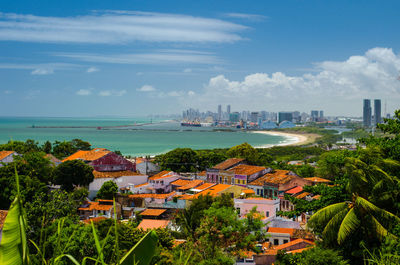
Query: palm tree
[[367, 180]]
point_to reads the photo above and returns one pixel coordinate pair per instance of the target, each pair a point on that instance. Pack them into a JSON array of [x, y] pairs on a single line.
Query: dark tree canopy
[[73, 173], [179, 160], [107, 190]]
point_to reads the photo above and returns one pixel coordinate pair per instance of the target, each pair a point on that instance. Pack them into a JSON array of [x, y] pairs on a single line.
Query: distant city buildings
[[367, 113], [285, 116], [368, 119], [377, 111]]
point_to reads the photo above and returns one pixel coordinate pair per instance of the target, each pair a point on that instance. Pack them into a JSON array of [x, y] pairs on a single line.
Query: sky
[[135, 58]]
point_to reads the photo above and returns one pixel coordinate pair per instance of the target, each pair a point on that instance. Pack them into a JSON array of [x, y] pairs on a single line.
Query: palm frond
[[349, 224], [379, 230], [325, 214], [330, 231]]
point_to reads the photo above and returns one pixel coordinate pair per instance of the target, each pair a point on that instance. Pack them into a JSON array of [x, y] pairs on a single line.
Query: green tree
[[107, 190], [331, 164], [179, 160], [73, 173], [47, 147], [305, 171], [315, 256], [245, 151]]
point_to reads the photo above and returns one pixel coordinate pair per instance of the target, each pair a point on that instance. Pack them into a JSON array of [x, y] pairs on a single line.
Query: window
[[226, 180], [162, 181], [267, 213], [285, 241], [258, 192], [276, 242], [233, 180], [238, 210], [267, 240]]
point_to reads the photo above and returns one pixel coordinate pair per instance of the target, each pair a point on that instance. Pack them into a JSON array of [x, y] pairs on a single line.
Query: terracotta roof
[[191, 184], [152, 224], [4, 154], [103, 200], [94, 219], [186, 197], [88, 155], [213, 191], [282, 230], [141, 185], [160, 175], [276, 177], [114, 174], [302, 195], [96, 206], [317, 197], [248, 191], [294, 242], [205, 186], [294, 190], [3, 215], [228, 163], [318, 180], [181, 182], [153, 212], [299, 250], [152, 195], [202, 173], [246, 170]]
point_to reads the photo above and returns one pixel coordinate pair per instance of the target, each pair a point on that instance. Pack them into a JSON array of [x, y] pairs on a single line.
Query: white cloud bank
[[84, 92], [109, 93], [337, 87], [146, 88], [92, 70], [117, 27]]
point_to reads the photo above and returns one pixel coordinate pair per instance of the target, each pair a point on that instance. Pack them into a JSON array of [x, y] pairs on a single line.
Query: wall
[[112, 162], [263, 206]]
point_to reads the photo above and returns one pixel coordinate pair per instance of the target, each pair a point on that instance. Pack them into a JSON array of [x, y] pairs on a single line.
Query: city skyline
[[134, 58]]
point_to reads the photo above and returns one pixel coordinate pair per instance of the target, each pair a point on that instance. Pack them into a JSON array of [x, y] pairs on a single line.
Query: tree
[[107, 190], [47, 147], [331, 164], [73, 173], [305, 171], [315, 256], [67, 148], [245, 151], [179, 160]]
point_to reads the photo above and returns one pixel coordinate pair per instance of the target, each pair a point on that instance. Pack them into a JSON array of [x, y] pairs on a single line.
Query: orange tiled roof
[[294, 190], [299, 250], [94, 219], [96, 206], [177, 242], [186, 197], [302, 195], [213, 191], [4, 154], [153, 212], [202, 173], [228, 163], [317, 197], [248, 191], [191, 184], [146, 224], [246, 170], [205, 186], [318, 180], [276, 177], [152, 195], [160, 175], [294, 242], [181, 182], [88, 155], [141, 185], [289, 231], [113, 174], [3, 215]]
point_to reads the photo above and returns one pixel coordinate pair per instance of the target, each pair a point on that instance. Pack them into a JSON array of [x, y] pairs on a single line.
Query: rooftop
[[213, 191], [282, 230], [181, 182], [94, 219], [294, 190], [96, 206], [246, 170], [228, 163], [4, 154], [160, 175], [88, 155], [318, 180], [276, 177], [302, 195], [153, 212], [152, 195], [114, 174], [294, 242], [204, 186], [146, 224], [191, 184]]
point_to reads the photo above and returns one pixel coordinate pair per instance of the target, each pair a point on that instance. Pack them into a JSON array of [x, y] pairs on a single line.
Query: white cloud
[[187, 70], [146, 88], [155, 57], [84, 92], [191, 93], [252, 17], [7, 92], [372, 75], [92, 69], [108, 93], [42, 71], [117, 27]]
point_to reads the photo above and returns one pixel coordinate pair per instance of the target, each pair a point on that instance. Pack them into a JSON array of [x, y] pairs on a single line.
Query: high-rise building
[[234, 117], [377, 111], [367, 113], [314, 115], [321, 114], [254, 116], [228, 109], [219, 112], [285, 116]]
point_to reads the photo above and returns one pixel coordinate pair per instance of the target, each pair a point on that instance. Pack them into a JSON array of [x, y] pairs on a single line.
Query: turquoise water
[[137, 139]]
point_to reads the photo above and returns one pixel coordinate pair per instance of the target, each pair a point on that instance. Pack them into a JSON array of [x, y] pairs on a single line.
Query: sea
[[132, 136]]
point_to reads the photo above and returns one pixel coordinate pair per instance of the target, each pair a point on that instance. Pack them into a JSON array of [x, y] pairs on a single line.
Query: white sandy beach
[[291, 138]]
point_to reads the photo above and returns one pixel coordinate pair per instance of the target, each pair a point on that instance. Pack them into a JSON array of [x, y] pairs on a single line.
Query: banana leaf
[[143, 251]]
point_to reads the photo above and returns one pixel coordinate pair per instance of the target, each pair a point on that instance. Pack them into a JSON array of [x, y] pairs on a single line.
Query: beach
[[290, 138]]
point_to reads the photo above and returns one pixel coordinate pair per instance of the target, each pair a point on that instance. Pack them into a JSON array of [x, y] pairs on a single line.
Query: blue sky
[[132, 58]]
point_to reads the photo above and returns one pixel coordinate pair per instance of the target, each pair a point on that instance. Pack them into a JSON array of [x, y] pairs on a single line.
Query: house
[[7, 157], [3, 215], [99, 208], [153, 213], [123, 179], [103, 160], [145, 166], [280, 235], [53, 160], [244, 174], [317, 180], [267, 207], [183, 185], [148, 199], [146, 224], [159, 183], [218, 173]]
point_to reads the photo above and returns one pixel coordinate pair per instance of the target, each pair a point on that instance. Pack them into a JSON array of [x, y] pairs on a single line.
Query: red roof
[[282, 230], [4, 154], [294, 190], [152, 224]]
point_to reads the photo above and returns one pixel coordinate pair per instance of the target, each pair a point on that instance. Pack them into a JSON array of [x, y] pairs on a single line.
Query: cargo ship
[[190, 124]]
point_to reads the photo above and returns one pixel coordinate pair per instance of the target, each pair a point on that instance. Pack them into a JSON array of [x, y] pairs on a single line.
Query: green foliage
[[331, 164], [179, 160], [47, 147], [107, 190], [305, 171], [73, 173], [315, 256], [245, 151], [288, 153], [67, 148], [21, 147]]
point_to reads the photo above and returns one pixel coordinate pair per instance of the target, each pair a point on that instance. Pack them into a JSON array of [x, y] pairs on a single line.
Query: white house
[[145, 166], [7, 157], [267, 207]]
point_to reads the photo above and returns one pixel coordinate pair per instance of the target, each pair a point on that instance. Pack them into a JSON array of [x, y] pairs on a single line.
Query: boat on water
[[190, 124]]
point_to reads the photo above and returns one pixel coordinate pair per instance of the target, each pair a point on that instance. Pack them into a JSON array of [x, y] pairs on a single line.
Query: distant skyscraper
[[321, 113], [228, 109], [285, 116], [254, 117], [367, 113], [377, 111], [314, 115], [234, 117], [219, 112]]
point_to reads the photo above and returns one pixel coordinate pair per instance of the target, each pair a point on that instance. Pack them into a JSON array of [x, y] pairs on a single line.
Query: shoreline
[[292, 139]]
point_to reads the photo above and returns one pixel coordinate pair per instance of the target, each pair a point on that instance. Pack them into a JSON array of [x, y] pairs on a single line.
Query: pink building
[[267, 207], [159, 183]]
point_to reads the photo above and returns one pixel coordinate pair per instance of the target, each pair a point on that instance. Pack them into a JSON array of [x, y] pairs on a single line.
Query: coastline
[[292, 139]]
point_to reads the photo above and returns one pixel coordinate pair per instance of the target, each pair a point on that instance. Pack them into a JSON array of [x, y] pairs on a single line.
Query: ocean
[[134, 136]]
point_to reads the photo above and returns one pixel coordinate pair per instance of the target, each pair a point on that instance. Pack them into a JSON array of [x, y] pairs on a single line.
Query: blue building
[[267, 125], [286, 124]]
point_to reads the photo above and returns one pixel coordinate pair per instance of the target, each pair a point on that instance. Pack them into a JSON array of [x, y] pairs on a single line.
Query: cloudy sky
[[132, 58]]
